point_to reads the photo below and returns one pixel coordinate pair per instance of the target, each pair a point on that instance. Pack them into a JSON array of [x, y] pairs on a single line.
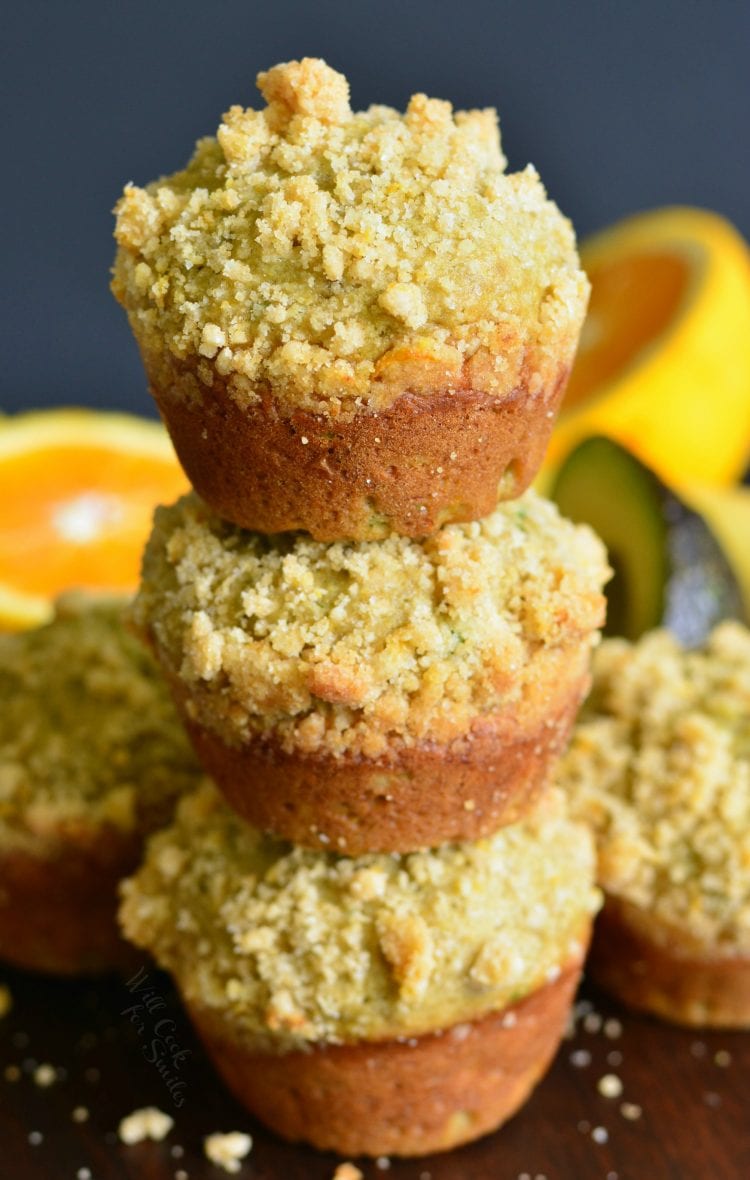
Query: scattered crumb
[[612, 1028], [382, 1163], [177, 1151], [6, 1000], [45, 1075], [226, 1151], [35, 1138], [147, 1123], [609, 1086], [698, 1049], [83, 1174], [584, 1127], [580, 1058], [592, 1022], [723, 1058], [614, 1057], [631, 1111], [712, 1099], [600, 1134], [80, 1114], [180, 1174], [11, 1073], [347, 1171]]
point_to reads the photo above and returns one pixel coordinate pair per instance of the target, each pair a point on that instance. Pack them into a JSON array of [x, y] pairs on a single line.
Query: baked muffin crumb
[[227, 1150], [146, 1123]]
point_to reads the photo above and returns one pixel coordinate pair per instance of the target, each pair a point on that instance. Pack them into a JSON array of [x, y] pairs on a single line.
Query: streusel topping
[[88, 734], [660, 765], [344, 257], [300, 946], [355, 645]]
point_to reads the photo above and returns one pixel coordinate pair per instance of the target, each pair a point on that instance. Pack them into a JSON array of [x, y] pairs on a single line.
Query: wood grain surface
[[693, 1089]]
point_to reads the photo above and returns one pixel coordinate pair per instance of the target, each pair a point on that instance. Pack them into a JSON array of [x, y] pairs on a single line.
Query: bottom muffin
[[385, 1004], [92, 759], [659, 767]]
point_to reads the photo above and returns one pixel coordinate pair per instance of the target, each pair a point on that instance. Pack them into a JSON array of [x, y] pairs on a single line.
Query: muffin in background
[[376, 696], [659, 766], [92, 759], [352, 323], [388, 1004]]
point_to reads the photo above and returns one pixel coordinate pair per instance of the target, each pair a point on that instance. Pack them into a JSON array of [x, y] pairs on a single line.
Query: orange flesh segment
[[633, 302], [79, 516]]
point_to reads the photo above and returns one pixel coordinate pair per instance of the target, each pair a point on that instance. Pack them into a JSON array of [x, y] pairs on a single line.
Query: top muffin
[[343, 257]]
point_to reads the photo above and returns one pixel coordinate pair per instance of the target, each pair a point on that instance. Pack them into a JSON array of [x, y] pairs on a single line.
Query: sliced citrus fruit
[[77, 492], [664, 361]]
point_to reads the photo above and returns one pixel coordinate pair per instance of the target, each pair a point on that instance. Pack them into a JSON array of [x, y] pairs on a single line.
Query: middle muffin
[[376, 696]]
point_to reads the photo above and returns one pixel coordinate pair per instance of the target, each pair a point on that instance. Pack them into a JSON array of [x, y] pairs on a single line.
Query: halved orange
[[77, 493], [664, 361]]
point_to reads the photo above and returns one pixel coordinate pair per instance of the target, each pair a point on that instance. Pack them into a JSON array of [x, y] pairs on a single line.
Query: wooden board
[[693, 1088]]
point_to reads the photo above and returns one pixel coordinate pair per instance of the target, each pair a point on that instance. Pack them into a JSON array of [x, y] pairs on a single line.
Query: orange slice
[[664, 361], [77, 493]]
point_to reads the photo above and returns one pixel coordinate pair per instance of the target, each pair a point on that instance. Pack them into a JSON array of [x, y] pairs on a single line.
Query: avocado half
[[669, 567]]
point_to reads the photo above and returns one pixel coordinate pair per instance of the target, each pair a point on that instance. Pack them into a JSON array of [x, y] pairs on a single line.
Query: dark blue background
[[621, 106]]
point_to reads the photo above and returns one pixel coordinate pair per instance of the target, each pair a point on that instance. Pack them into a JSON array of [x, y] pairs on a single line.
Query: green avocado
[[669, 567]]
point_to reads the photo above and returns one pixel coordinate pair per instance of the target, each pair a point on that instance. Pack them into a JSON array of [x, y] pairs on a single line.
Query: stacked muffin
[[358, 328]]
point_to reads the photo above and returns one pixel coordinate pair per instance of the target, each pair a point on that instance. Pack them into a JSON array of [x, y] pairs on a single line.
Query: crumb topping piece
[[353, 646], [343, 257], [660, 766], [300, 946], [88, 734], [347, 1171], [227, 1151], [147, 1123]]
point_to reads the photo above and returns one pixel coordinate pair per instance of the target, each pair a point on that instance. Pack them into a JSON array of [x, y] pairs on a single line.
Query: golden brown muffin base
[[58, 911], [421, 463], [414, 797], [654, 968], [398, 1097]]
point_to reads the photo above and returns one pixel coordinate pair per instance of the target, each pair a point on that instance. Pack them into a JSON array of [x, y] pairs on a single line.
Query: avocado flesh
[[669, 568]]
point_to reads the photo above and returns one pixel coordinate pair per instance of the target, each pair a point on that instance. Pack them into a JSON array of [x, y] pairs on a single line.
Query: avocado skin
[[695, 583]]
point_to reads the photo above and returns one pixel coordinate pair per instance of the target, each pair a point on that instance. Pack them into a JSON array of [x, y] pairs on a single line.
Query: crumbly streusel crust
[[350, 648], [295, 947], [660, 766], [88, 735], [343, 258]]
